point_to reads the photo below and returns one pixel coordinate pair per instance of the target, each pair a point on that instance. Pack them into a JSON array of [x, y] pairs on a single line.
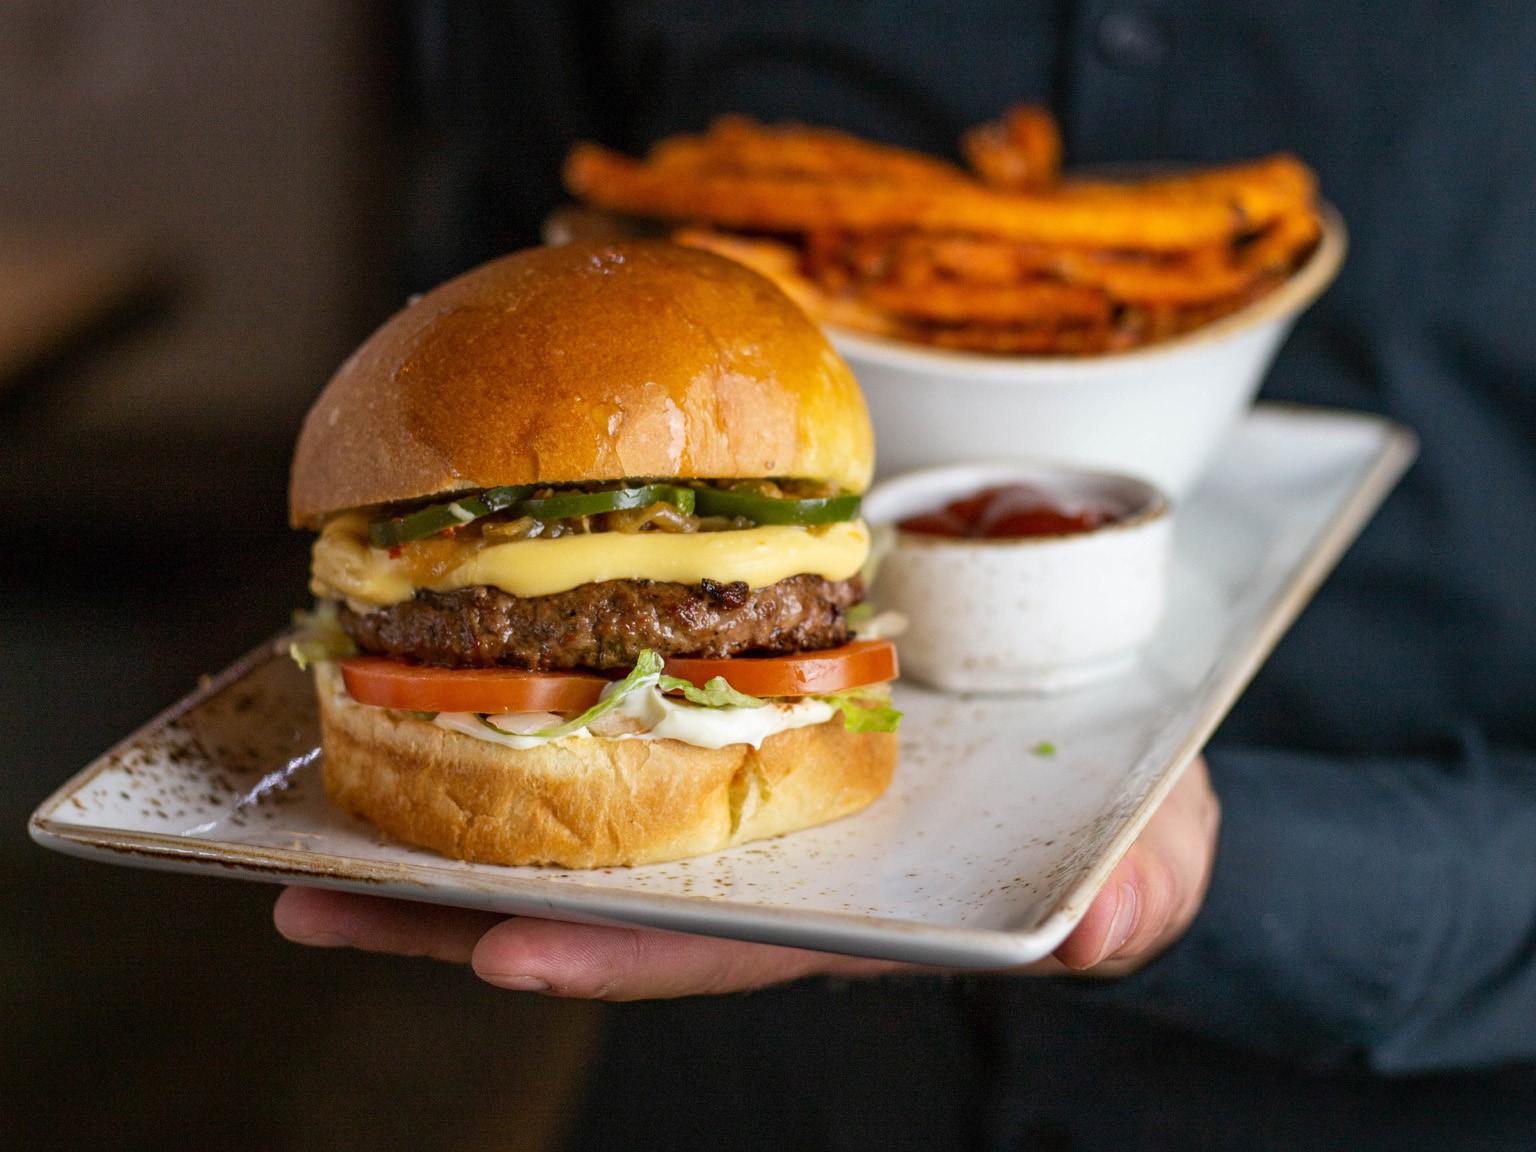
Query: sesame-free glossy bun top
[[583, 362]]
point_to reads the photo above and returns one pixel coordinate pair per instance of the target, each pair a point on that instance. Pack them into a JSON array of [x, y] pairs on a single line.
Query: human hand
[[1147, 903]]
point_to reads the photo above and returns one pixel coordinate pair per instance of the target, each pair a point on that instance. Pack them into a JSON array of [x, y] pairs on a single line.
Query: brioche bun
[[579, 363], [587, 803]]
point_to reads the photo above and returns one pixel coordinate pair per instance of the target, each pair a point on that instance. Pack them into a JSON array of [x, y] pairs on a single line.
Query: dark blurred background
[[203, 207]]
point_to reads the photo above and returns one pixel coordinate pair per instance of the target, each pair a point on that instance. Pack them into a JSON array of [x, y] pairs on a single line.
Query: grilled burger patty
[[607, 625]]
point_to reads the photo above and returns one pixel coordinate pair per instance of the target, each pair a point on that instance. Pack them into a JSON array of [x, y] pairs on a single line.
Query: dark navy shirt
[[1374, 898]]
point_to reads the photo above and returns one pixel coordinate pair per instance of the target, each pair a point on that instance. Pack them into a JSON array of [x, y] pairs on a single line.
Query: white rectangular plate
[[984, 853]]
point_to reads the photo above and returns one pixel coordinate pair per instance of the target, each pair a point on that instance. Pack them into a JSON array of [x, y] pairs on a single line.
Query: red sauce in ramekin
[[1012, 512]]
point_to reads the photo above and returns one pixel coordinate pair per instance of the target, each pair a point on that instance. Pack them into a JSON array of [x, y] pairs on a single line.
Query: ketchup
[[1013, 511]]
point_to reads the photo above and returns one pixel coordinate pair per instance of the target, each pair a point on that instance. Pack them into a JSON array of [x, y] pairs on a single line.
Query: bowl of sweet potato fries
[[1002, 309]]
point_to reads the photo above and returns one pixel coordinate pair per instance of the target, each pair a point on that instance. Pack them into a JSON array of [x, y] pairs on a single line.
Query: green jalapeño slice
[[565, 505], [435, 518], [775, 509], [518, 500]]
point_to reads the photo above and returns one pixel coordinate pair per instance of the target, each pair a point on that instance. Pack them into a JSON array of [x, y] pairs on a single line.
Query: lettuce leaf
[[647, 668], [647, 673], [864, 711], [860, 614], [716, 693], [320, 637]]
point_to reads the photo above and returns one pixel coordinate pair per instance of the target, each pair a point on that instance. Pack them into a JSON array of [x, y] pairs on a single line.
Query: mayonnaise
[[646, 714]]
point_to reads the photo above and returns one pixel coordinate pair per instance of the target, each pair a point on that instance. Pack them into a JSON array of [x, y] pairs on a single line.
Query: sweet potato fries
[[1007, 258]]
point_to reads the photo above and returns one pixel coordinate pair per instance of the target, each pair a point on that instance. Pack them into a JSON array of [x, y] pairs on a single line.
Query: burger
[[589, 545]]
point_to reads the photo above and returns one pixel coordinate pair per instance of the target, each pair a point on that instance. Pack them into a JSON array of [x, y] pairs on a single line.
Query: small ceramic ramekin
[[1036, 614]]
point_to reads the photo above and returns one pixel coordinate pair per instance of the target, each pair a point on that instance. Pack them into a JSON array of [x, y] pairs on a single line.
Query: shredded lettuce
[[323, 617], [647, 673], [716, 693], [864, 711], [320, 637], [646, 669], [877, 625], [859, 614]]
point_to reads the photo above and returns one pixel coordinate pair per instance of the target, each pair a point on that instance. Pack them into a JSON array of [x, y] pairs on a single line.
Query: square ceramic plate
[[984, 852]]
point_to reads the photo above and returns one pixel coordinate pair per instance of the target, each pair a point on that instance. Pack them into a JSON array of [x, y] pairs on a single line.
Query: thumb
[[1116, 916]]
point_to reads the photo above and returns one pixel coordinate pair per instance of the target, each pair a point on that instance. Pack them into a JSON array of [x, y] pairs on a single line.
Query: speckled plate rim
[[856, 934], [477, 887]]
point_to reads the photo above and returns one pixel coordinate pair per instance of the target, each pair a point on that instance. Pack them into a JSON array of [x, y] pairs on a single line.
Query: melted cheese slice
[[346, 565]]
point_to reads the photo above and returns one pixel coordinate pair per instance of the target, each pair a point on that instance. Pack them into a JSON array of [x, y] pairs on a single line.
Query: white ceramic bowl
[[1158, 412], [1035, 614]]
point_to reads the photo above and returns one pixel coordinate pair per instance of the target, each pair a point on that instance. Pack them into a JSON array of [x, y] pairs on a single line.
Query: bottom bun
[[587, 802]]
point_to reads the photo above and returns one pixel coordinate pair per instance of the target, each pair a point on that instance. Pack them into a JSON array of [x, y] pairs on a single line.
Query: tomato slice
[[800, 674], [421, 688], [418, 688]]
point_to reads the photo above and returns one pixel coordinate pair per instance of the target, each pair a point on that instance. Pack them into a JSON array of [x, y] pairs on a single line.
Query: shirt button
[[1130, 39]]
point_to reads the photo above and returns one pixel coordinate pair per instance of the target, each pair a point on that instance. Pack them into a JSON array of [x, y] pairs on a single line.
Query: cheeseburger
[[589, 538]]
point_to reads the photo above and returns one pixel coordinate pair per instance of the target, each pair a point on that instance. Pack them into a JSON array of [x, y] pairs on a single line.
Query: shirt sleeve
[[1378, 912]]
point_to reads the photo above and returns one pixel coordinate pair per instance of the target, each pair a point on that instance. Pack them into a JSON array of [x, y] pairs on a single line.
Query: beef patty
[[606, 625]]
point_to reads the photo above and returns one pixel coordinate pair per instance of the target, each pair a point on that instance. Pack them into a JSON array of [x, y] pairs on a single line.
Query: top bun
[[583, 362]]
